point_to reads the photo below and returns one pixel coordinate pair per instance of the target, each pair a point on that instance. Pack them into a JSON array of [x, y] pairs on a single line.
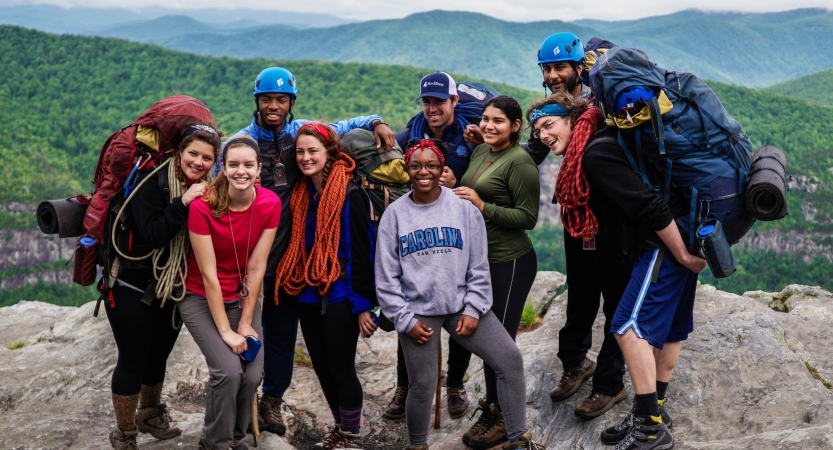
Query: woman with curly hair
[[328, 267]]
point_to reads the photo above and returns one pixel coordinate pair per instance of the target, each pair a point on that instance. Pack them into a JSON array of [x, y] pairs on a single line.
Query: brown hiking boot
[[396, 408], [485, 418], [597, 404], [492, 434], [458, 402], [523, 443], [269, 409], [571, 380], [124, 440], [156, 421], [417, 447]]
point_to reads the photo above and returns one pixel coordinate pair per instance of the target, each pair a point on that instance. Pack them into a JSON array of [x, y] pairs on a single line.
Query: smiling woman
[[433, 272], [143, 328], [327, 268], [231, 233], [502, 182]]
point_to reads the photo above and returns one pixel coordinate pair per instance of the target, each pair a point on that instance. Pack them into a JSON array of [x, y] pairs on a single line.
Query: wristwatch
[[376, 123]]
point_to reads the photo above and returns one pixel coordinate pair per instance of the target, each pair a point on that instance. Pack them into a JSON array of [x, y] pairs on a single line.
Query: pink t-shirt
[[266, 214]]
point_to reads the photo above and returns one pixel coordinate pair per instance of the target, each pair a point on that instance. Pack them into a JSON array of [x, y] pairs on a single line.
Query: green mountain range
[[816, 87], [85, 20], [62, 96], [746, 49]]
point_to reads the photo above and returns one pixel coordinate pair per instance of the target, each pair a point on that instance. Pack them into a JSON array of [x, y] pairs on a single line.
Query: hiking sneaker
[[338, 438], [493, 433], [663, 412], [617, 433], [597, 404], [524, 443], [237, 445], [157, 421], [458, 402], [396, 408], [124, 440], [269, 409], [417, 447], [571, 380], [485, 418], [645, 434]]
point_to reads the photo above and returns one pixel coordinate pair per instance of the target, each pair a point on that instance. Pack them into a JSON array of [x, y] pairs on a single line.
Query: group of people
[[272, 216]]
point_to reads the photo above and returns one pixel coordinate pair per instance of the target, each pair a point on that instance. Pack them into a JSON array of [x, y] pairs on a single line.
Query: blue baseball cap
[[437, 84]]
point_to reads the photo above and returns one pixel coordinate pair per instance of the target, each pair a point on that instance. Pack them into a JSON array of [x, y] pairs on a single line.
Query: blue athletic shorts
[[661, 311]]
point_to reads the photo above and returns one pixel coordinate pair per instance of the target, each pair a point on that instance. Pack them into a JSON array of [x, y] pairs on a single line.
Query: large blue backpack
[[702, 150]]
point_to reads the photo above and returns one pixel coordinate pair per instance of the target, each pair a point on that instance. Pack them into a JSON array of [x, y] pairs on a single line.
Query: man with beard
[[274, 129]]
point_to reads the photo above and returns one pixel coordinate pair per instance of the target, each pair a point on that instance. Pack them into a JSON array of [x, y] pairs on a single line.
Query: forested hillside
[[63, 95], [817, 87]]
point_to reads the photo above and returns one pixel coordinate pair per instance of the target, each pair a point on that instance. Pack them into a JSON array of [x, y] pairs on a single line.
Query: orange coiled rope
[[572, 191], [320, 267]]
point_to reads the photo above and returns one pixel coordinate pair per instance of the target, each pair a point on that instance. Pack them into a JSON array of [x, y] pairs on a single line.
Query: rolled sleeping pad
[[766, 195], [62, 217]]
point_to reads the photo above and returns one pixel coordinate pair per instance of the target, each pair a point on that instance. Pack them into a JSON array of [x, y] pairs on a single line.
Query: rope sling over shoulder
[[168, 276]]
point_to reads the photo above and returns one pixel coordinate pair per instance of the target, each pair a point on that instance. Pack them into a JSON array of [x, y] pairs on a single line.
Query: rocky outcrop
[[549, 213], [31, 247], [754, 374], [808, 245]]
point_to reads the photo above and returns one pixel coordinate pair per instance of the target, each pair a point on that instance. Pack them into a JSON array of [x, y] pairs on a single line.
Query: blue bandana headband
[[553, 109]]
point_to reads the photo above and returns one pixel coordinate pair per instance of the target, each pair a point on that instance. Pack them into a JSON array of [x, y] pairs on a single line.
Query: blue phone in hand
[[252, 347], [375, 319]]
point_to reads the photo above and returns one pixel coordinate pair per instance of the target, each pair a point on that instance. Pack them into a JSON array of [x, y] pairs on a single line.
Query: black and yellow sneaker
[[646, 433], [663, 412], [617, 433]]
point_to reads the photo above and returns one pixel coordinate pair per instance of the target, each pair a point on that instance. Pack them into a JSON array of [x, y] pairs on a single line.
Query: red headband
[[319, 128], [425, 143]]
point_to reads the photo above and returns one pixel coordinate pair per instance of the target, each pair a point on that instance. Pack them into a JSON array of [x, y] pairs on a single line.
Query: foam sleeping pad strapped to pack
[[766, 196], [62, 217]]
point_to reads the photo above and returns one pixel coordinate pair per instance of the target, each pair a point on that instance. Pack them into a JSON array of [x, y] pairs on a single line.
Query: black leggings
[[511, 282], [331, 340], [144, 337]]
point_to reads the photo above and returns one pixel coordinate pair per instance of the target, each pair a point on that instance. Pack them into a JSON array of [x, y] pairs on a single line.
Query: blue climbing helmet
[[632, 94], [276, 80], [562, 46]]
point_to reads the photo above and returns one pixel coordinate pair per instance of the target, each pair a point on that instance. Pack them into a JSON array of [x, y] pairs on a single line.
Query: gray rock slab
[[749, 377]]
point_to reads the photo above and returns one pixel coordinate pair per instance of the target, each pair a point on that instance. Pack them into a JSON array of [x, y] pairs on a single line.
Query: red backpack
[[122, 156]]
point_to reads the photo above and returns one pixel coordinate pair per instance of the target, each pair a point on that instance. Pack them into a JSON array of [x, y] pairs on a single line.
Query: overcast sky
[[515, 10]]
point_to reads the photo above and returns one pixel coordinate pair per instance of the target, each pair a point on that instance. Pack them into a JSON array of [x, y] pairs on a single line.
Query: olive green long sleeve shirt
[[508, 184]]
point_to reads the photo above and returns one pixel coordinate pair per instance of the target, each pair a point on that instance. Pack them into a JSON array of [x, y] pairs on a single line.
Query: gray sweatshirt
[[432, 260]]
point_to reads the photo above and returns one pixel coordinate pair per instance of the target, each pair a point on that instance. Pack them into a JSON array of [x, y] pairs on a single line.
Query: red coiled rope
[[572, 191], [320, 267]]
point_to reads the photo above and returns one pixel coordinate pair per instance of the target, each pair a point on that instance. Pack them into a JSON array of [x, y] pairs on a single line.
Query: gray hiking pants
[[491, 342], [232, 382]]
